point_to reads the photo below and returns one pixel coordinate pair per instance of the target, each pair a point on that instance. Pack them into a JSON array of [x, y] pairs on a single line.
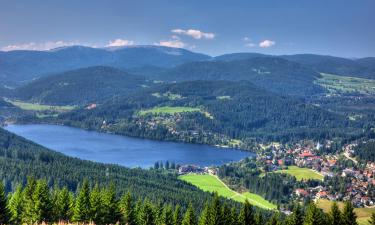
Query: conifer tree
[[64, 204], [297, 216], [177, 219], [314, 216], [335, 215], [226, 214], [189, 217], [205, 215], [4, 211], [16, 206], [146, 215], [126, 207], [111, 205], [82, 207], [43, 208], [234, 216], [28, 201], [167, 216], [96, 205], [348, 215], [215, 216], [246, 216], [274, 220], [259, 219]]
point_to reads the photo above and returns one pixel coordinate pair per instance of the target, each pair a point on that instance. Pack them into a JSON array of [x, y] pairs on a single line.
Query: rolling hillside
[[271, 73], [82, 86], [237, 110]]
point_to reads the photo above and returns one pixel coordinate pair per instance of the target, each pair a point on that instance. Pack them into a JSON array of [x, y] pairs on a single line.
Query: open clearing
[[363, 214], [168, 110], [213, 184], [346, 84], [39, 107], [302, 173]]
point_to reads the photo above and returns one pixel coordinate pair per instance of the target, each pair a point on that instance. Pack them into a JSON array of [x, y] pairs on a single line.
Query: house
[[301, 192]]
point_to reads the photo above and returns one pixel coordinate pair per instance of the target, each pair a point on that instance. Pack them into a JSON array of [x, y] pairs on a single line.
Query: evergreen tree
[[146, 215], [226, 214], [16, 206], [97, 206], [204, 218], [43, 208], [64, 205], [372, 219], [4, 211], [111, 205], [335, 215], [246, 216], [234, 216], [274, 220], [314, 216], [177, 219], [126, 207], [297, 216], [28, 201], [189, 217], [259, 219], [215, 216], [348, 215], [82, 207], [167, 216]]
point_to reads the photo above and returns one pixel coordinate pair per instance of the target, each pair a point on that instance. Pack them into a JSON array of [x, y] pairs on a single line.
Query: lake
[[126, 151]]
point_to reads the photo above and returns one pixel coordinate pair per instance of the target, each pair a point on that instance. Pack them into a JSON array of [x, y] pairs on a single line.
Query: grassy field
[[344, 84], [302, 173], [363, 214], [168, 110], [40, 107], [213, 184]]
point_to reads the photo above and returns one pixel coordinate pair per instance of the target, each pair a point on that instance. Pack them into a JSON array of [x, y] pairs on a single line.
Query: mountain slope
[[79, 86], [209, 112], [23, 66], [272, 73]]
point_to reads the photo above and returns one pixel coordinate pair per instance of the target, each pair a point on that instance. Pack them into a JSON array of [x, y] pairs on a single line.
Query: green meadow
[[211, 183], [39, 107], [168, 110], [302, 173]]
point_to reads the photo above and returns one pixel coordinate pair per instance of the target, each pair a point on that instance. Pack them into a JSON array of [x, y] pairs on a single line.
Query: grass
[[168, 94], [363, 214], [302, 173], [40, 107], [168, 110], [346, 84], [211, 183]]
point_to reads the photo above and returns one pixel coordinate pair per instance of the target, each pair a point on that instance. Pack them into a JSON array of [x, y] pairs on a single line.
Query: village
[[343, 178]]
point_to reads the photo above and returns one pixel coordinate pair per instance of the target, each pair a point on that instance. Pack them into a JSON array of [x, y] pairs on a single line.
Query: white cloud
[[43, 46], [266, 43], [196, 34], [248, 42], [175, 43], [246, 39], [120, 42]]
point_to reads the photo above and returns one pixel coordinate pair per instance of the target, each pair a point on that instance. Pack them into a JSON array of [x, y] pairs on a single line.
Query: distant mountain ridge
[[24, 66]]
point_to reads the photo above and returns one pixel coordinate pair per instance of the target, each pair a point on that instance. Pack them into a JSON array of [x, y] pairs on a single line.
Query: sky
[[331, 27]]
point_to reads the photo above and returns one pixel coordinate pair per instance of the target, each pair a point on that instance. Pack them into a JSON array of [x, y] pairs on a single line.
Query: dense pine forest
[[36, 203]]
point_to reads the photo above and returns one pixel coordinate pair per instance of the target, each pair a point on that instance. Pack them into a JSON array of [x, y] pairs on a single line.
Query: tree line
[[36, 203]]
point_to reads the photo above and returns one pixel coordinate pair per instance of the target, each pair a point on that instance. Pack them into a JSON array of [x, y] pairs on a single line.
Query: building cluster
[[358, 180]]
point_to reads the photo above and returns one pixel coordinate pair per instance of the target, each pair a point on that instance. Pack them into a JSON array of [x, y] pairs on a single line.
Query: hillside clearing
[[302, 173], [168, 110], [346, 84], [39, 107], [211, 183]]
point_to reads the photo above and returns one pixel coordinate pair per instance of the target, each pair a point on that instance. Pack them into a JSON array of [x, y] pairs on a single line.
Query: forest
[[36, 203]]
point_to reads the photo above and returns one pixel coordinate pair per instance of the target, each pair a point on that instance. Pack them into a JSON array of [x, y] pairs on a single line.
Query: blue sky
[[334, 27]]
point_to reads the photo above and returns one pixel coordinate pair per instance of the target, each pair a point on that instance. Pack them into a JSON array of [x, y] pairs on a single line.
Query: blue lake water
[[126, 151]]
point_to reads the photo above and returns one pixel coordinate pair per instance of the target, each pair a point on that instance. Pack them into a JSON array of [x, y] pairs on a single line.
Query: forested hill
[[20, 158], [81, 86], [272, 73], [207, 111]]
